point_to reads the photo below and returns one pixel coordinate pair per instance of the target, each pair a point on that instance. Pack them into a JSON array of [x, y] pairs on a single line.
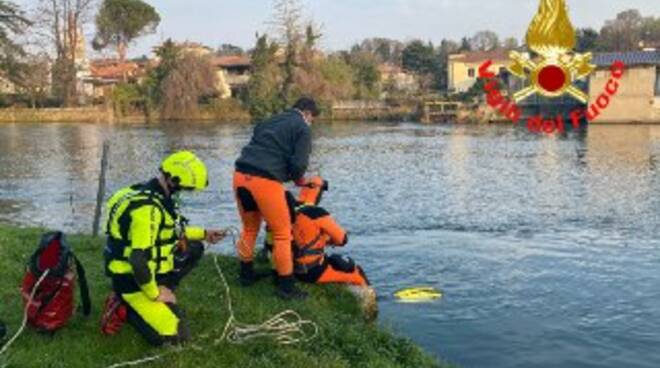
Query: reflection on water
[[544, 246]]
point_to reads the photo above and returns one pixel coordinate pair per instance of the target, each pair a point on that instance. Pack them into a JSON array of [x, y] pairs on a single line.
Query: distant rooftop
[[630, 58], [231, 61], [114, 69], [481, 56]]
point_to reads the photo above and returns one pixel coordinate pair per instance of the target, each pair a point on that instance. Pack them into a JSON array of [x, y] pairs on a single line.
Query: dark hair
[[307, 104]]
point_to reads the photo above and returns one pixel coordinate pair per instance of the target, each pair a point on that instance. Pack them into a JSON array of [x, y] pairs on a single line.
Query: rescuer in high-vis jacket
[[150, 248], [277, 153]]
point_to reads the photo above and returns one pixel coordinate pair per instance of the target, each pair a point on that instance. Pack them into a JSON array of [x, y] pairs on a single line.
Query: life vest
[[313, 230], [50, 304], [164, 221]]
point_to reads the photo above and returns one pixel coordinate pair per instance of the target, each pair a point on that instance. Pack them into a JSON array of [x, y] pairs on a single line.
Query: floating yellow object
[[418, 294]]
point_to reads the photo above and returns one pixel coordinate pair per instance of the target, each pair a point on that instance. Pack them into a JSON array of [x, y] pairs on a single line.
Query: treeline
[[41, 53], [354, 73]]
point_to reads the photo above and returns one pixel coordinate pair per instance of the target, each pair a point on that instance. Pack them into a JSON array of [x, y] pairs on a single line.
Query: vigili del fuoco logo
[[551, 72]]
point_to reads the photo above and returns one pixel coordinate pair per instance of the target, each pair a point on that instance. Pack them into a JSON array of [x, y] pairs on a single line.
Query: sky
[[346, 22]]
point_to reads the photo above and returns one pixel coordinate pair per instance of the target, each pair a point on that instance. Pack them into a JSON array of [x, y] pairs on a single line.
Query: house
[[638, 96], [233, 74], [105, 74], [395, 77], [463, 68]]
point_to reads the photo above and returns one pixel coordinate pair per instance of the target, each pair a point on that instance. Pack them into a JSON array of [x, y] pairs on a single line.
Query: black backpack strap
[[84, 288]]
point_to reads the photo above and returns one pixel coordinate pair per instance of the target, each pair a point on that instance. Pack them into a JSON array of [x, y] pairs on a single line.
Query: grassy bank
[[344, 340]]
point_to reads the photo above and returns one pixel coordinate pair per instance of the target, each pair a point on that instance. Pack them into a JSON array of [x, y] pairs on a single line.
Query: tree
[[385, 49], [650, 32], [64, 21], [465, 45], [263, 91], [287, 21], [446, 48], [510, 43], [484, 41], [12, 22], [227, 49], [366, 76], [32, 77], [327, 79], [192, 78], [587, 39], [622, 33], [419, 58], [119, 22], [169, 55]]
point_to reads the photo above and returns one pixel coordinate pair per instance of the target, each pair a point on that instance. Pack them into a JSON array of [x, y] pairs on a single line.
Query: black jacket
[[279, 148]]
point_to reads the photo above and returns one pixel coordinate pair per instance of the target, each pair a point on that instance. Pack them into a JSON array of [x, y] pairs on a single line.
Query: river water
[[546, 248]]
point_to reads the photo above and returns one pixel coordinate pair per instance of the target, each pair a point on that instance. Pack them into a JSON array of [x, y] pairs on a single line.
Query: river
[[546, 248]]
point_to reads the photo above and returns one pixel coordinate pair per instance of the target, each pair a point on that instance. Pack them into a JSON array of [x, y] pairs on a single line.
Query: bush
[[228, 110], [127, 98]]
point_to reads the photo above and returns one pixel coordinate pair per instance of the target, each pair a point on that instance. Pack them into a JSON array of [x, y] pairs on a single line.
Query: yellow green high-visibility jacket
[[142, 217]]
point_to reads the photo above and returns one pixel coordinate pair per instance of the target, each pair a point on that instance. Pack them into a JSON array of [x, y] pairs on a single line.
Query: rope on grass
[[286, 327], [25, 313]]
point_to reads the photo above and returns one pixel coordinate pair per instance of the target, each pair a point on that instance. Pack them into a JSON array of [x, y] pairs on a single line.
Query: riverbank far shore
[[344, 339]]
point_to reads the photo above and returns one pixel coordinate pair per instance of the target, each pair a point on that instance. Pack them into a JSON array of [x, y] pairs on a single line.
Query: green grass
[[344, 340]]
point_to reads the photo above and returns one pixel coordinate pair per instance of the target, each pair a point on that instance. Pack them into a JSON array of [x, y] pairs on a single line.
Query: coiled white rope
[[286, 327], [25, 313]]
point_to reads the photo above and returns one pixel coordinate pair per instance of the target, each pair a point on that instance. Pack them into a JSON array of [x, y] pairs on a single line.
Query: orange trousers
[[264, 199], [332, 276]]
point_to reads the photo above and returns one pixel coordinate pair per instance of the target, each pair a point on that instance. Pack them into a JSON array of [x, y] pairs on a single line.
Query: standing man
[[150, 248], [277, 153]]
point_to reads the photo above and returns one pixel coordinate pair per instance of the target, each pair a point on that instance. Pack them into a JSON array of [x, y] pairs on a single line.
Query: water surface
[[545, 247]]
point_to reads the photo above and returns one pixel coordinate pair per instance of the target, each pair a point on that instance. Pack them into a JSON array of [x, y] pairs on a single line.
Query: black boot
[[3, 330], [287, 289], [275, 277], [247, 277]]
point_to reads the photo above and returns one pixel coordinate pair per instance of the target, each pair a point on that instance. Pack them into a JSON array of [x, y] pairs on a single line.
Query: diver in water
[[313, 230]]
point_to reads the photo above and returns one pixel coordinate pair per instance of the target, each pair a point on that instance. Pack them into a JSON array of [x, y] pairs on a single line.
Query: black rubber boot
[[287, 289], [3, 330], [247, 277]]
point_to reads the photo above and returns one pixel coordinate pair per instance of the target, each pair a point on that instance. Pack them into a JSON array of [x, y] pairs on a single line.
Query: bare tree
[[288, 25], [484, 41], [192, 78], [63, 22], [32, 77]]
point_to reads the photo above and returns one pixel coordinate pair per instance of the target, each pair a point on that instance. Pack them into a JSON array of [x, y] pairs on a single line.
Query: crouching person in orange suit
[[313, 230]]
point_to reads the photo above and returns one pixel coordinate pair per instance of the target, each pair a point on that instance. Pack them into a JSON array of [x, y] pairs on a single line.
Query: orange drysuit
[[313, 230]]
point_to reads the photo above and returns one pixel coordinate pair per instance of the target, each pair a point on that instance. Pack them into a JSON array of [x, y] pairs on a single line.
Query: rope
[[286, 327], [137, 362], [25, 313]]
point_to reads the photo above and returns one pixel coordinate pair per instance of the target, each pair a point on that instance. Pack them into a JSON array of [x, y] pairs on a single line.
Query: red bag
[[49, 297]]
